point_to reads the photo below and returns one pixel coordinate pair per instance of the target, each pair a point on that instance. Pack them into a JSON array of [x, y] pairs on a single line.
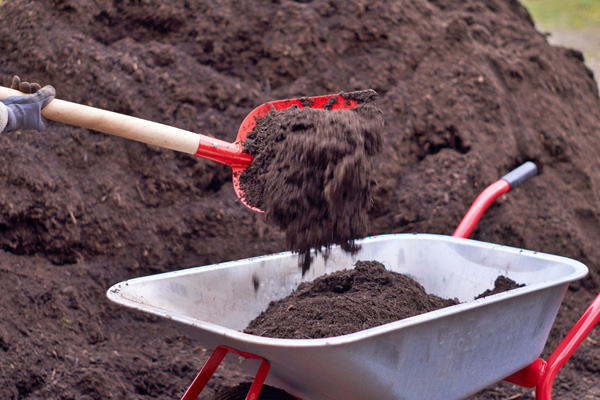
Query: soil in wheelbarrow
[[468, 89], [312, 174], [352, 300]]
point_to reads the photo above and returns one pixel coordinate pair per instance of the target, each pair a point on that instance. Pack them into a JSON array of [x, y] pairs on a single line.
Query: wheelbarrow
[[449, 353]]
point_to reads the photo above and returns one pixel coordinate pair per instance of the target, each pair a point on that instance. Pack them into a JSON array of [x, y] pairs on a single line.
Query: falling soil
[[312, 174], [352, 300], [468, 89]]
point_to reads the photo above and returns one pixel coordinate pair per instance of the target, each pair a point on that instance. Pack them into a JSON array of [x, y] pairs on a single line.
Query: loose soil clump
[[352, 300], [502, 284], [312, 173]]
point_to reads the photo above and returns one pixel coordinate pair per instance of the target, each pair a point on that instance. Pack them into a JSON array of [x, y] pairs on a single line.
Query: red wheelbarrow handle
[[509, 181], [540, 374]]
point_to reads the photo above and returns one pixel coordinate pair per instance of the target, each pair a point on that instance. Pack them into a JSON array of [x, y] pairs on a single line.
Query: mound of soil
[[468, 90], [345, 302], [349, 301], [312, 174]]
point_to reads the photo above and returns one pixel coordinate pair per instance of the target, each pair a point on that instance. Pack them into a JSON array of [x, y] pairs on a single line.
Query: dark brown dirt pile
[[468, 90], [345, 302], [312, 173], [352, 300]]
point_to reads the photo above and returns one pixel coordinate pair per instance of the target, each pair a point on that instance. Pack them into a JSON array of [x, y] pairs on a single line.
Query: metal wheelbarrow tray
[[445, 354]]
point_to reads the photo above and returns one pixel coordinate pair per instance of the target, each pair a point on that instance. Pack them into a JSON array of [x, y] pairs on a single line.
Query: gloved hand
[[25, 112]]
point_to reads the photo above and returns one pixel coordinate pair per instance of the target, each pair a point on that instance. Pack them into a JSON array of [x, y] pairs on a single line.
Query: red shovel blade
[[331, 102]]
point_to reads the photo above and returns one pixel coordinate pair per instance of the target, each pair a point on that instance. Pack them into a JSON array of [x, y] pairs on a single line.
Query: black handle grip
[[520, 174]]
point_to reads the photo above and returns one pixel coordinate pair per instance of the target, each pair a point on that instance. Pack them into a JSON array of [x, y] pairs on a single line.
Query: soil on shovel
[[312, 174], [468, 89], [349, 301]]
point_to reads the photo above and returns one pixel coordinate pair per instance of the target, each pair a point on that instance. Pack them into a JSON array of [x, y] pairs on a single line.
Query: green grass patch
[[565, 14]]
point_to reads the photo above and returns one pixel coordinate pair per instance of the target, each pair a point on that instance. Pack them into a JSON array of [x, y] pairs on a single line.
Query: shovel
[[185, 141]]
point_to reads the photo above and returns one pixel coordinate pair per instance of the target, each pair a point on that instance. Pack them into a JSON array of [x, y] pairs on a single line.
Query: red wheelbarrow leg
[[213, 363], [541, 373]]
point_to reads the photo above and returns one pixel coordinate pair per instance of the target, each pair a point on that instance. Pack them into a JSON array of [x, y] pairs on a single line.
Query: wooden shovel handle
[[116, 124]]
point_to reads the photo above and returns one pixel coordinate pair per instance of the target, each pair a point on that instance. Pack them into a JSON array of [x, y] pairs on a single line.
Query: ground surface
[[469, 90]]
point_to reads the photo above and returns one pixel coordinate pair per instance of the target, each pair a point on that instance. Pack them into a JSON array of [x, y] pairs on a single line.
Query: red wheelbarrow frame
[[540, 374]]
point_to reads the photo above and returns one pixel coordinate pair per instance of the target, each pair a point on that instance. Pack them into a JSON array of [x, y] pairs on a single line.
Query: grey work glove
[[25, 87], [25, 112]]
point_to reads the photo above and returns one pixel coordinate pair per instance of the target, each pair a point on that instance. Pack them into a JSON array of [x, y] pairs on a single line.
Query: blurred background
[[570, 23]]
